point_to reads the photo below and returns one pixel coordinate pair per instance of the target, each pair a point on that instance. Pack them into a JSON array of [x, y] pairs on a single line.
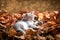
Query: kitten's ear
[[32, 12], [23, 15]]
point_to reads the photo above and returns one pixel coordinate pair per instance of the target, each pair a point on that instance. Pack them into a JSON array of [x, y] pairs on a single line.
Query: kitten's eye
[[36, 18]]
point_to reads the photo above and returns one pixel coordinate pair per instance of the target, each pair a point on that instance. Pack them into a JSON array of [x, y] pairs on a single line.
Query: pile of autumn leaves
[[49, 18]]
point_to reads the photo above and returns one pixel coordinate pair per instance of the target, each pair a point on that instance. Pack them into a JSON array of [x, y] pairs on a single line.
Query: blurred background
[[38, 5]]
